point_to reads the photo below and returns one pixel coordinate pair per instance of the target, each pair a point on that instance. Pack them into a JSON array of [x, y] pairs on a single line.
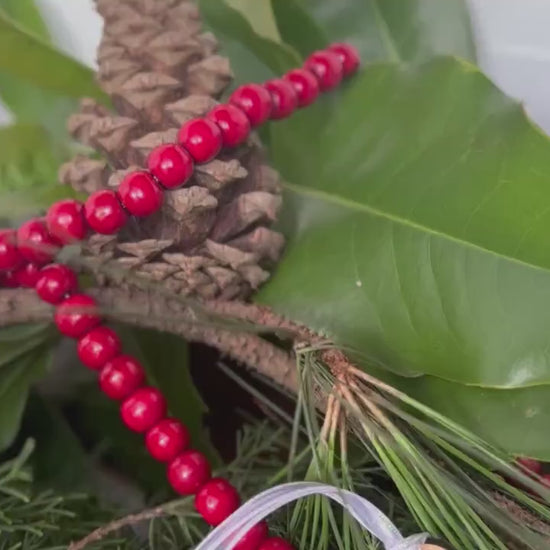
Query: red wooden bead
[[140, 194], [255, 101], [233, 123], [216, 500], [27, 275], [285, 99], [65, 221], [171, 164], [167, 439], [35, 243], [305, 85], [10, 257], [255, 536], [202, 138], [104, 213], [348, 55], [529, 465], [55, 282], [76, 315], [8, 280], [276, 543], [327, 67], [121, 376], [97, 347], [188, 472], [143, 409]]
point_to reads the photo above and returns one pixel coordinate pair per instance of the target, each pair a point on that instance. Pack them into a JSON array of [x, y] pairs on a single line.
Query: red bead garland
[[216, 500], [35, 243], [188, 472], [104, 213], [276, 543], [56, 281], [65, 221], [305, 85], [121, 376], [97, 347], [140, 194], [167, 439], [255, 536], [143, 409], [327, 67], [171, 164], [27, 275], [233, 123], [76, 315], [10, 257], [349, 57], [255, 102], [283, 97], [202, 138]]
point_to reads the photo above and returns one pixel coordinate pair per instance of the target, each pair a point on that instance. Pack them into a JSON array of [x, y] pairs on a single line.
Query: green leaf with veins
[[253, 56], [259, 14], [420, 236], [397, 30], [298, 28]]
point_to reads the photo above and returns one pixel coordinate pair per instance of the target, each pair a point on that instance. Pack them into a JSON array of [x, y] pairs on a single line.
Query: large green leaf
[[24, 55], [397, 30], [166, 360], [421, 241], [297, 27], [516, 420], [253, 57], [25, 352], [260, 16]]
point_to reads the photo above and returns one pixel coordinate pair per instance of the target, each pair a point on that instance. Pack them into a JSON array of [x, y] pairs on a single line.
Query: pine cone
[[211, 238]]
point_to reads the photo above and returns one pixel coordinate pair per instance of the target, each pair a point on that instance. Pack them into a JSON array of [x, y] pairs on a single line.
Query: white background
[[513, 38]]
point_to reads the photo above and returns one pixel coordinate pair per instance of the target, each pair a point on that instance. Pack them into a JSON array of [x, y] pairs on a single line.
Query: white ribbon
[[227, 534]]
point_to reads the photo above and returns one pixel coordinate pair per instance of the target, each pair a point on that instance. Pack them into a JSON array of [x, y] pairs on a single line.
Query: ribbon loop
[[226, 535]]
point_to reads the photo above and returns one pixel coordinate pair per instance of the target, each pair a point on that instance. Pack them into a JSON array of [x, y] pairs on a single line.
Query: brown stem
[[141, 308], [105, 530]]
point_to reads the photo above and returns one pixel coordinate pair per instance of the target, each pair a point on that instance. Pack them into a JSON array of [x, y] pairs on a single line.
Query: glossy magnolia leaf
[[516, 420], [166, 360], [25, 352], [422, 236], [253, 57], [298, 28], [25, 56], [260, 16], [397, 30]]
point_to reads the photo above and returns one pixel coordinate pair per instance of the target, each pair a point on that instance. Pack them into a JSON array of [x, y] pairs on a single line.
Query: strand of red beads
[[25, 252]]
